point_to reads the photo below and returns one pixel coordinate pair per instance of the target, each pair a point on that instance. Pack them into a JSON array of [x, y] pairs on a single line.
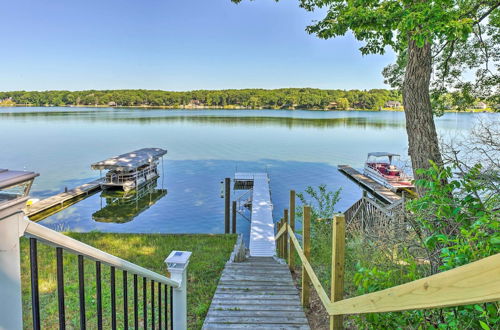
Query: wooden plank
[[238, 313], [261, 326], [369, 184], [337, 273], [306, 241], [254, 264], [241, 306], [283, 283], [255, 278], [257, 320], [256, 285], [251, 295], [259, 290], [474, 283], [254, 271], [61, 198]]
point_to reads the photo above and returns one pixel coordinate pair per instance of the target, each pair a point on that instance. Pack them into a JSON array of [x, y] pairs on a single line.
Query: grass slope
[[210, 252]]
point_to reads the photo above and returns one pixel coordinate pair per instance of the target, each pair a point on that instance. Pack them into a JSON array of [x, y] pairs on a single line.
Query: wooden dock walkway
[[256, 294], [375, 188], [63, 199], [262, 243]]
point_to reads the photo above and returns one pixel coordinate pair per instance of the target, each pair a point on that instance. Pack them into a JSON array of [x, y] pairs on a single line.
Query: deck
[[256, 294], [63, 199], [373, 187], [261, 241]]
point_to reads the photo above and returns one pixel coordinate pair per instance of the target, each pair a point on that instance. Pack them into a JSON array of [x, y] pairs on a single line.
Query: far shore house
[[392, 104], [194, 103], [480, 105], [112, 104], [332, 105]]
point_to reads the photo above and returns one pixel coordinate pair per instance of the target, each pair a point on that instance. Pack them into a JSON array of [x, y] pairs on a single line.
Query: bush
[[456, 222]]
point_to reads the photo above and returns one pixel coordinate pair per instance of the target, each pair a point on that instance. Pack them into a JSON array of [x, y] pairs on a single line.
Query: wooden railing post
[[285, 235], [337, 273], [278, 242], [234, 218], [291, 255], [227, 203], [306, 242], [282, 239]]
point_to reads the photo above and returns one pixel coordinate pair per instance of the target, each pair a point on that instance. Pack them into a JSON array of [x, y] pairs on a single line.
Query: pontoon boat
[[131, 170], [379, 166]]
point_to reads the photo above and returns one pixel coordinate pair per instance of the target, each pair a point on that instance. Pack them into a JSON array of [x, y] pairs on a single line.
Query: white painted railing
[[14, 225]]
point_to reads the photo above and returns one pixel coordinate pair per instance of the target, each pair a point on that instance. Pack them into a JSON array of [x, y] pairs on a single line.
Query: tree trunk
[[422, 137]]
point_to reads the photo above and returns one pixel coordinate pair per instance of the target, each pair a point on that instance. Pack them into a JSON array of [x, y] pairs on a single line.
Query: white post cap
[[177, 260]]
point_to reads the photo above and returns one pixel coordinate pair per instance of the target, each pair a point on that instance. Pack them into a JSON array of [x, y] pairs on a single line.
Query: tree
[[343, 103], [448, 37]]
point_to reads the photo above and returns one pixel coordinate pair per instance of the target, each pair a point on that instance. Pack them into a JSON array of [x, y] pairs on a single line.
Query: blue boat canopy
[[130, 160]]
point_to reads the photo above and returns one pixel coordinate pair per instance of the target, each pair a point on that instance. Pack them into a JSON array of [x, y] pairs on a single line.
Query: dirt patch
[[316, 314]]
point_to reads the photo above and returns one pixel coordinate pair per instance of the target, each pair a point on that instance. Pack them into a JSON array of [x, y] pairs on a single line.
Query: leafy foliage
[[286, 98], [458, 217], [464, 36], [458, 223], [323, 203]]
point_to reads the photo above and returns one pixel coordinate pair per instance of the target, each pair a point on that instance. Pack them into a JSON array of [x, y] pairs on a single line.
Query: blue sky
[[174, 45]]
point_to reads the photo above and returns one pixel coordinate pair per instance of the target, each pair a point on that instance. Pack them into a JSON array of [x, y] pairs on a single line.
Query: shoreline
[[184, 107]]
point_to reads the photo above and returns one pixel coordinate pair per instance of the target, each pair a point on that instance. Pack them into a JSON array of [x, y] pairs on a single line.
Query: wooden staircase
[[256, 294]]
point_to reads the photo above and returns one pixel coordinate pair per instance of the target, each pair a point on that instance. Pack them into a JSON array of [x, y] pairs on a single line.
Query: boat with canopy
[[130, 170], [380, 166]]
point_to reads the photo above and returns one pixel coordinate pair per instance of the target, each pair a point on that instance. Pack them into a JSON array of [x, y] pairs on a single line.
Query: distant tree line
[[284, 98]]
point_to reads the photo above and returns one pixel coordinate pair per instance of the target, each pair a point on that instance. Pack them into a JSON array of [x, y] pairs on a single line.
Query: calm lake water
[[297, 149]]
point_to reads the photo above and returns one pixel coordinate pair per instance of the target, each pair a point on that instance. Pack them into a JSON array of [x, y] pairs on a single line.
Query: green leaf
[[495, 240], [478, 308], [484, 325]]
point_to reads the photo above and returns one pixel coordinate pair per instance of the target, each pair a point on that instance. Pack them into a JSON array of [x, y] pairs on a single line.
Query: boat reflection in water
[[122, 207]]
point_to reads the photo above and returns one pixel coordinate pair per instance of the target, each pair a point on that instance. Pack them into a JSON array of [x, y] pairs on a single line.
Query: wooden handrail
[[314, 279], [474, 283], [281, 232]]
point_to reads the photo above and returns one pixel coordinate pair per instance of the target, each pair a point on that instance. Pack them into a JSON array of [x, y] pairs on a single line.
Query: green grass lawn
[[210, 253]]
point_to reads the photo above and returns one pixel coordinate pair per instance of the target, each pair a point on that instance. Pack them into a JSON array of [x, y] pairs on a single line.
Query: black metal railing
[[159, 315]]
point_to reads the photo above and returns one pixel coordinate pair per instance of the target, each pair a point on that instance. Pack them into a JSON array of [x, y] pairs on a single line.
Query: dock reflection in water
[[122, 207]]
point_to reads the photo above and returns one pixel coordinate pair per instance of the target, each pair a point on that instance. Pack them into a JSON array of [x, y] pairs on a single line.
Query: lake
[[297, 148]]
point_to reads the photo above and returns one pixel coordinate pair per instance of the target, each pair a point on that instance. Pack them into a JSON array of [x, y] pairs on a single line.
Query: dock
[[62, 200], [261, 240], [258, 293], [370, 185]]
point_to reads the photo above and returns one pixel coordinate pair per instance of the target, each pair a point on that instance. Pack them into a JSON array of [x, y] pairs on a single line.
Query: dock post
[[337, 273], [291, 256], [234, 217], [285, 235], [227, 204], [306, 242]]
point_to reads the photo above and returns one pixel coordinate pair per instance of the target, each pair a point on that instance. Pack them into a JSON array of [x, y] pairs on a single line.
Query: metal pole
[[234, 217], [227, 203]]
